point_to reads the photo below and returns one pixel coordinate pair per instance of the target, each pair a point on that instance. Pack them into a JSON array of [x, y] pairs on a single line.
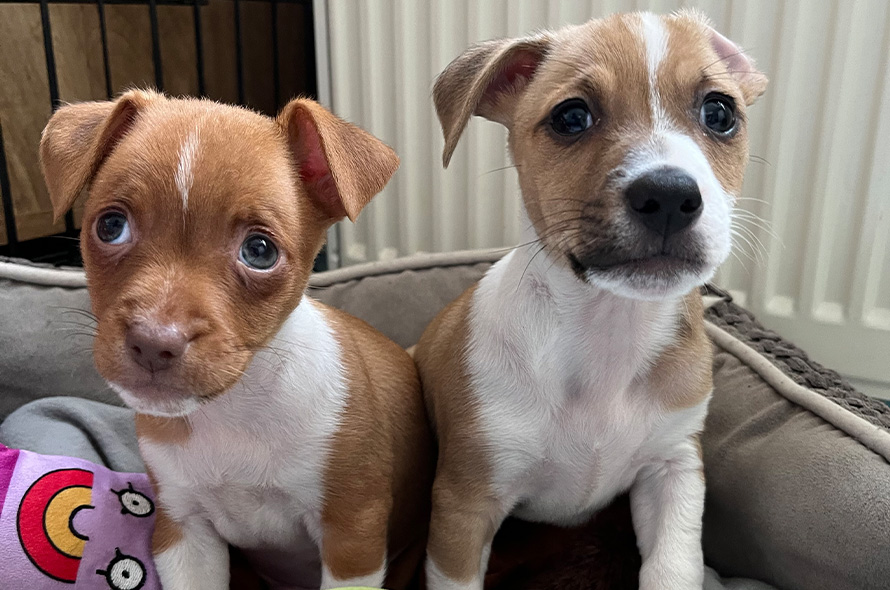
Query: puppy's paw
[[672, 576]]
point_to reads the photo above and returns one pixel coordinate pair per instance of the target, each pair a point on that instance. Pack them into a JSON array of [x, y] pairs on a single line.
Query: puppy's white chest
[[254, 493], [566, 414], [562, 451], [254, 462]]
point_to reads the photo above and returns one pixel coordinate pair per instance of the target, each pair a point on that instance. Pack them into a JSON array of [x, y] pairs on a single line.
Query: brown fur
[[291, 178], [377, 463], [167, 532], [462, 505], [162, 430], [227, 315]]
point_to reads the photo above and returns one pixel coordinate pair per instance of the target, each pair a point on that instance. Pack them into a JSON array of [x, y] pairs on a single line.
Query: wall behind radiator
[[817, 269]]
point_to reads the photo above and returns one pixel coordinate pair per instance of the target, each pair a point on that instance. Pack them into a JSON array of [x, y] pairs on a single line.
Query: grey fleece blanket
[[105, 435]]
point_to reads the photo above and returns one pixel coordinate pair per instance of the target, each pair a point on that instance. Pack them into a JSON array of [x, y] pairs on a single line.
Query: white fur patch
[[556, 367], [437, 580], [373, 580], [678, 150], [558, 371], [200, 561], [184, 176], [667, 502], [253, 463], [173, 406], [655, 39]]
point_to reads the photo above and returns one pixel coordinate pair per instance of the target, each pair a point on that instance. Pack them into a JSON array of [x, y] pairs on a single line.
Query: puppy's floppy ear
[[341, 165], [485, 80], [739, 65], [77, 140]]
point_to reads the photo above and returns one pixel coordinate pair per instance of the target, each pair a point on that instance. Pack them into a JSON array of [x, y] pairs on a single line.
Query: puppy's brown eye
[[113, 228], [571, 117], [718, 114], [258, 252]]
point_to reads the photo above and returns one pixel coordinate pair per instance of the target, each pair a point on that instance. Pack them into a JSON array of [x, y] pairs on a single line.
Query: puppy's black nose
[[666, 200], [155, 347]]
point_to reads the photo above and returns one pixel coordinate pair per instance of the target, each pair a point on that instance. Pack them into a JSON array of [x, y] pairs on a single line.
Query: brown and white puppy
[[578, 367], [267, 420]]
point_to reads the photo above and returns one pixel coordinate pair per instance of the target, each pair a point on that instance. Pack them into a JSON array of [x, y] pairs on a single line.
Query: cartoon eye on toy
[[134, 502], [124, 572]]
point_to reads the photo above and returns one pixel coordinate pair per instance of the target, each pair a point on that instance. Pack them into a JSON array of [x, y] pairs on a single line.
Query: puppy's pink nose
[[155, 346]]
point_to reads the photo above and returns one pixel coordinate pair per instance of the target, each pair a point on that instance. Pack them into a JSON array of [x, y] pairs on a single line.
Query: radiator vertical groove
[[820, 137]]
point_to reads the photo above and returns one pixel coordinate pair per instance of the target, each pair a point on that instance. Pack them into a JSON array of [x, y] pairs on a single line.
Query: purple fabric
[[8, 458], [68, 523]]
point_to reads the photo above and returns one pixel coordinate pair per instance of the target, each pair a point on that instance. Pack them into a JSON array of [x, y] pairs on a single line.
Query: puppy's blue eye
[[718, 114], [258, 252], [571, 117], [113, 228]]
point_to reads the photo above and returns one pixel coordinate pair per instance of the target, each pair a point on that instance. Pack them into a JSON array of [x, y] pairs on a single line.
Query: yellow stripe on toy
[[58, 520]]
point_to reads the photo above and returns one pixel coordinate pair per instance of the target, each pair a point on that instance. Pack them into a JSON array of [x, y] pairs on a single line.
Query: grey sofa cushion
[[45, 346], [798, 485]]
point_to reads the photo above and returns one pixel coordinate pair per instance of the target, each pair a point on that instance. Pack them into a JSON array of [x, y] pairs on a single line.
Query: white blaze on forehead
[[655, 40], [185, 169]]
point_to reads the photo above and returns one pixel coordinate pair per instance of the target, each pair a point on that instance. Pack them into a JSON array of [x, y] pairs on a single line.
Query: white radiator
[[819, 272]]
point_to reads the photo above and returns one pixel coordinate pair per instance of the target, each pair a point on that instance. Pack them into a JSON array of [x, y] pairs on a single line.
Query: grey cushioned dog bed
[[797, 462]]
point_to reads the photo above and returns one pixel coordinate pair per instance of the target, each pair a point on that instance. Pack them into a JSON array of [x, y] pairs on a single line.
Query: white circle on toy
[[135, 503]]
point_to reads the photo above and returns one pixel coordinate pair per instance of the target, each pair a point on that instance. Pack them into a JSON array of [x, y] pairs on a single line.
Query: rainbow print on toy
[[68, 523]]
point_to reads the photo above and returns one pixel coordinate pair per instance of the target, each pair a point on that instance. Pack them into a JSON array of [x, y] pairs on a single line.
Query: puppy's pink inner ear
[[730, 53], [740, 66], [316, 173], [519, 70]]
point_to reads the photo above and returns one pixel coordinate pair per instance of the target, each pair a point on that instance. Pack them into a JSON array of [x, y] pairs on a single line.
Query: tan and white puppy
[[578, 367], [267, 420]]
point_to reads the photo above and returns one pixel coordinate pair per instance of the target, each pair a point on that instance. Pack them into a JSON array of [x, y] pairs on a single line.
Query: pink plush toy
[[68, 523]]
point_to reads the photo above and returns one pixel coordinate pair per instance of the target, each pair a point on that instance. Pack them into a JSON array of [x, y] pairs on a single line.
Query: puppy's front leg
[[189, 555], [667, 501], [353, 544], [462, 526]]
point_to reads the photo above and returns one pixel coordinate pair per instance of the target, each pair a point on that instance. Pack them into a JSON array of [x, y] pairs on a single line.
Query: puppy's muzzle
[[665, 200]]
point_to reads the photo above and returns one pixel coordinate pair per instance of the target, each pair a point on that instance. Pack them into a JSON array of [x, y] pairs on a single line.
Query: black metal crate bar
[[54, 249]]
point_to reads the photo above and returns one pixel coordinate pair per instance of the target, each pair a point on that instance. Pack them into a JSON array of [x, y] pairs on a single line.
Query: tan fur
[[682, 377], [360, 166], [162, 430], [603, 61], [167, 532], [377, 463], [73, 148], [570, 189], [682, 69], [461, 493]]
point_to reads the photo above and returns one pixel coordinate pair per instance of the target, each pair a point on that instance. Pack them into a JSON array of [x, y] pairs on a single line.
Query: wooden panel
[[129, 47], [24, 109], [25, 102], [176, 25], [218, 31], [294, 24], [256, 41], [77, 44]]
